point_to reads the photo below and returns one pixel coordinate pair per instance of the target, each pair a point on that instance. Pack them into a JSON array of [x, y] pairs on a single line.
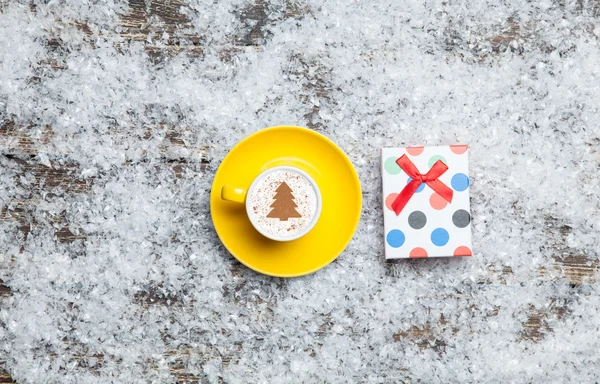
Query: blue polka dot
[[440, 237], [460, 182], [421, 187], [395, 238]]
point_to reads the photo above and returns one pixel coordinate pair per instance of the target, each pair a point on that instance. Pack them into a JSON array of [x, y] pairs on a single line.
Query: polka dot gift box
[[426, 201]]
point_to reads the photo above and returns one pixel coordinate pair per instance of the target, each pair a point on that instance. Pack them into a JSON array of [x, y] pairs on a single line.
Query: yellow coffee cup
[[294, 210]]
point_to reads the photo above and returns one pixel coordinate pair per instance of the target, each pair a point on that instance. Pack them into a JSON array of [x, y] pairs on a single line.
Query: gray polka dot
[[461, 218], [417, 219]]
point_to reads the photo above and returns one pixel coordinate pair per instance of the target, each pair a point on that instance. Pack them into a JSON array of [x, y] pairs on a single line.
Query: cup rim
[[304, 230]]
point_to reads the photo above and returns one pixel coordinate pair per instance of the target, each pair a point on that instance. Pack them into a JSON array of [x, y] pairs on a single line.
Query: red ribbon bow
[[430, 178]]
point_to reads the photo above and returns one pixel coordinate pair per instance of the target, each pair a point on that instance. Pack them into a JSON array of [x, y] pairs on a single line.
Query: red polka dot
[[389, 200], [459, 149], [417, 253], [437, 202], [463, 251], [415, 151]]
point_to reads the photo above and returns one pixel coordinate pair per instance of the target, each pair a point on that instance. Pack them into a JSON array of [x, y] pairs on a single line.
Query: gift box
[[426, 201]]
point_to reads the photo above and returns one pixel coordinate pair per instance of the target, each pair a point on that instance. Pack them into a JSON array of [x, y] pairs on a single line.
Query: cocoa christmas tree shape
[[284, 206]]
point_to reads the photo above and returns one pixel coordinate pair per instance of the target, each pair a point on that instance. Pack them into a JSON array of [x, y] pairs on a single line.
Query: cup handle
[[235, 194]]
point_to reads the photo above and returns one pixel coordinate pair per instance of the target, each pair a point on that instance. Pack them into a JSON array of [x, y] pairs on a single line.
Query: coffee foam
[[283, 203]]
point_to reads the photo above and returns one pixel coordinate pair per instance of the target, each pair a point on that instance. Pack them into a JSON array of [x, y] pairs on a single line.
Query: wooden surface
[[18, 145]]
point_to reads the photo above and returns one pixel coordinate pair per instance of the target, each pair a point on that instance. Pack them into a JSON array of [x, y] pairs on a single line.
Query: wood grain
[[62, 177], [43, 183], [170, 140], [177, 360], [4, 290], [576, 265], [18, 139], [423, 337], [536, 327], [162, 27], [166, 30], [5, 377], [19, 212], [155, 295]]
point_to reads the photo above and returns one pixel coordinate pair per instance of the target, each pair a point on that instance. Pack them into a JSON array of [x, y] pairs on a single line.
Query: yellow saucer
[[329, 167]]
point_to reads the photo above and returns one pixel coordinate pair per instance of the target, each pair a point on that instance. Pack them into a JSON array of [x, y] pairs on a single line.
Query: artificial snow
[[365, 74]]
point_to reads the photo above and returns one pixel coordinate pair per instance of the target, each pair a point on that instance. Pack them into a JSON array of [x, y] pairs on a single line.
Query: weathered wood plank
[[255, 17], [155, 295], [423, 337], [20, 212], [5, 377], [141, 11], [512, 35], [42, 182], [149, 21], [68, 179], [170, 141], [61, 180], [259, 17], [536, 328], [177, 360], [577, 268], [18, 139], [4, 289], [574, 264], [64, 177], [165, 30]]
